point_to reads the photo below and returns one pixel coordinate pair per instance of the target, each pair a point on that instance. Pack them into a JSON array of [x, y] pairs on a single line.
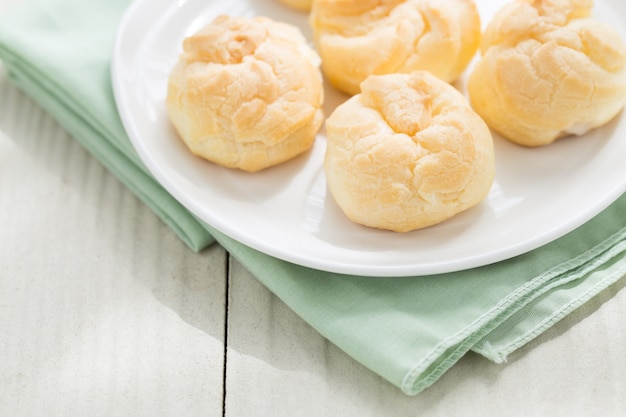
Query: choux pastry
[[302, 5], [548, 70], [246, 93], [358, 38], [407, 152]]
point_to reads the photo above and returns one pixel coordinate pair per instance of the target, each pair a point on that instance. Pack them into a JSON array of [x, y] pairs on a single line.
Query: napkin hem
[[453, 348], [499, 354]]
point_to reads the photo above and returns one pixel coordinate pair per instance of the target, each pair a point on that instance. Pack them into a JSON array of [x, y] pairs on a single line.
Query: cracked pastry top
[[246, 93], [548, 70], [407, 152], [356, 39]]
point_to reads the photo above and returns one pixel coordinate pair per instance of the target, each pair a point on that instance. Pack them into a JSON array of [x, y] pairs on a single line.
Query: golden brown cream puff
[[548, 70], [246, 93], [358, 38], [407, 152]]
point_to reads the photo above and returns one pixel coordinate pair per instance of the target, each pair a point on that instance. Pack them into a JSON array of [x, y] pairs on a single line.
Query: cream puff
[[407, 152], [246, 93], [358, 38], [548, 70], [301, 5]]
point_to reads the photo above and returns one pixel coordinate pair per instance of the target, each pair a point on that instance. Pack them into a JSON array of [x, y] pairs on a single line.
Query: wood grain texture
[[103, 311]]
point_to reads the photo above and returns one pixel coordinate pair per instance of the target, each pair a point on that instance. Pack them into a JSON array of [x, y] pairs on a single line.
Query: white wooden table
[[104, 312]]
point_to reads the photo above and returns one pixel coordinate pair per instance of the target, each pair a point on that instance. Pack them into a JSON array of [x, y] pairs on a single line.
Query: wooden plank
[[103, 311]]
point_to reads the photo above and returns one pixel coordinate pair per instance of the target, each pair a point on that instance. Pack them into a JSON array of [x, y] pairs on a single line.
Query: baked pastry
[[358, 38], [407, 152], [246, 93], [302, 5], [548, 70]]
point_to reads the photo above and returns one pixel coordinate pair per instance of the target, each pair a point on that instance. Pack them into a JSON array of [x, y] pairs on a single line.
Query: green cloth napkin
[[409, 330]]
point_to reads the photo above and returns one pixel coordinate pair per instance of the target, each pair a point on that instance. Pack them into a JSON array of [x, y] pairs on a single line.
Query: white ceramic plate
[[286, 211]]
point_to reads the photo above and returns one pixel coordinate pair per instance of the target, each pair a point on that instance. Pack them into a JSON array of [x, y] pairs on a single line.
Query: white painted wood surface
[[104, 312]]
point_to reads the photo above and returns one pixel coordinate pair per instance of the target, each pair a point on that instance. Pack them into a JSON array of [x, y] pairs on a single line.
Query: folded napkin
[[409, 330]]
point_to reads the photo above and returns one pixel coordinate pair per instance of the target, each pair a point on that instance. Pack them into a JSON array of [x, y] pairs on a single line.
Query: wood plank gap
[[225, 354]]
